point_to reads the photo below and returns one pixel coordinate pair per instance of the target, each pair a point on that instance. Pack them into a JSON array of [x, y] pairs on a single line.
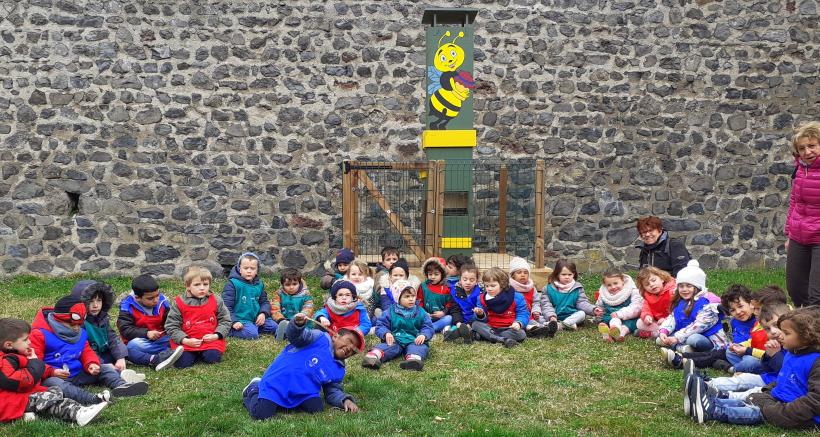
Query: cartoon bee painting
[[448, 87]]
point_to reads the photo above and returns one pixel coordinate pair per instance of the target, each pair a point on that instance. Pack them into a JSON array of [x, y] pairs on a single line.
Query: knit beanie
[[692, 274], [402, 286], [401, 264], [518, 263], [345, 256], [144, 284], [70, 309], [338, 285]]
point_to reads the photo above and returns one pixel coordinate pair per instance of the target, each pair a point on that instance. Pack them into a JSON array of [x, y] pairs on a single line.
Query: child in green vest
[[245, 297], [619, 306], [563, 298], [337, 268], [405, 329], [434, 294], [293, 297]]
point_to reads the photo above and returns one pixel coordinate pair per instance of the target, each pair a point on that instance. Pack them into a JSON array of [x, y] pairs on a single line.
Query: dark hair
[[12, 329], [649, 223], [434, 265], [459, 260], [468, 268], [734, 294], [676, 299], [390, 250], [349, 332], [560, 265], [290, 275], [772, 311], [806, 321], [770, 294]]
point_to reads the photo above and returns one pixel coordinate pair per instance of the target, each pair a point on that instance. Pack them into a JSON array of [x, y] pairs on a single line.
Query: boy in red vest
[[198, 321], [344, 310], [141, 323], [21, 373], [501, 313]]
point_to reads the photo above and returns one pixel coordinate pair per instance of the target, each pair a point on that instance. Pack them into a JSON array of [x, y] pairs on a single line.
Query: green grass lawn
[[573, 384]]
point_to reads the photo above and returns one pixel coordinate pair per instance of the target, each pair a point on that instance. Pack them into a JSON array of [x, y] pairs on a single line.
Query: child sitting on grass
[[501, 313], [98, 298], [198, 320], [359, 275], [405, 330], [657, 288], [141, 323], [465, 295], [21, 375], [337, 269], [453, 267], [619, 305], [398, 271], [522, 284], [343, 310], [792, 400], [564, 299], [313, 362], [291, 298], [390, 255], [245, 297], [434, 294]]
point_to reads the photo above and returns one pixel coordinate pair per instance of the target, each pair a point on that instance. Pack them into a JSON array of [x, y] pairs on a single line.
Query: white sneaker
[[28, 417], [249, 384], [131, 376], [168, 357], [686, 349], [87, 414], [104, 396]]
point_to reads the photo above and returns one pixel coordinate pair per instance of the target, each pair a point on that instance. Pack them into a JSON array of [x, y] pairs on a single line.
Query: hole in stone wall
[[73, 203], [226, 269]]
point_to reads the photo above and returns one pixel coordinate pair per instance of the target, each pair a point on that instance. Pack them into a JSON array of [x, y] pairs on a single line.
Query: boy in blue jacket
[[245, 297], [405, 329], [501, 313], [313, 362], [465, 294]]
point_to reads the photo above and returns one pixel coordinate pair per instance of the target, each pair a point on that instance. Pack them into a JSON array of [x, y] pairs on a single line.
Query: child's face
[[389, 259], [198, 287], [434, 276], [95, 305], [686, 291], [741, 310], [71, 326], [149, 299], [397, 274], [808, 149], [344, 346], [468, 280], [756, 308], [791, 339], [342, 267], [566, 276], [248, 268], [290, 286], [772, 331], [492, 287], [356, 276], [21, 345], [407, 300], [653, 284], [451, 269], [614, 284], [344, 296], [521, 276]]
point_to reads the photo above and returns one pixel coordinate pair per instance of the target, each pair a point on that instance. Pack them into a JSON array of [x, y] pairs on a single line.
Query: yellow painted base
[[456, 243], [448, 138]]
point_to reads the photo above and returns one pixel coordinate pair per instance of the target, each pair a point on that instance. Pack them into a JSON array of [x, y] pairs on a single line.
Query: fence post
[[539, 214], [432, 209], [502, 209], [440, 164], [348, 213]]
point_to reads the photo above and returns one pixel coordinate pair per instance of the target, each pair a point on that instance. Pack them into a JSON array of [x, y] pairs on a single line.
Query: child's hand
[[536, 315], [772, 347], [516, 326], [93, 369], [649, 320], [478, 312], [325, 323], [438, 314], [388, 338], [153, 335], [670, 340], [62, 373], [737, 349], [553, 319], [207, 338], [237, 326], [420, 340], [300, 319], [598, 311], [30, 354], [120, 365], [350, 406], [192, 342], [260, 320]]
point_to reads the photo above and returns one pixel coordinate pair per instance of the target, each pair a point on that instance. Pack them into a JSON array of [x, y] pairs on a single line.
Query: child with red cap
[[58, 338], [313, 362]]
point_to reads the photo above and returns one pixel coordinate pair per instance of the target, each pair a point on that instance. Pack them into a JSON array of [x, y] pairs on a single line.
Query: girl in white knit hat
[[695, 320], [521, 282]]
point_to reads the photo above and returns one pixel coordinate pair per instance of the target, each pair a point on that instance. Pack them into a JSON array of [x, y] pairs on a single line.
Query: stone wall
[[144, 135]]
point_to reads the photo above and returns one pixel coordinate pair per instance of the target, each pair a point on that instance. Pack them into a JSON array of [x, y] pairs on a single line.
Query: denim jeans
[[736, 412], [439, 324], [396, 350], [261, 409], [140, 350], [250, 331], [108, 377], [745, 363], [742, 382], [698, 342]]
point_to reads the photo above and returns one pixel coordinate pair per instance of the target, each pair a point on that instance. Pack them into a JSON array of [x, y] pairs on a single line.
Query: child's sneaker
[[86, 414], [686, 349], [371, 362], [536, 331], [570, 326], [723, 365], [704, 405], [615, 333], [644, 334], [166, 358], [603, 329], [29, 417], [104, 396], [130, 389], [552, 328], [672, 358], [688, 379], [245, 390], [452, 334], [509, 343], [688, 366], [412, 364], [130, 375], [466, 333]]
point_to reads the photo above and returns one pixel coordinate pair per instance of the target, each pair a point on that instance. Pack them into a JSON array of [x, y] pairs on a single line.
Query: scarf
[[63, 332], [501, 301], [364, 289], [407, 313], [522, 288], [563, 288], [619, 297], [340, 309]]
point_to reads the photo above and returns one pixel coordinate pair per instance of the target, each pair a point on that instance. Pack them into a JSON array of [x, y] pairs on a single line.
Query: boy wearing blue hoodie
[[312, 363], [245, 297]]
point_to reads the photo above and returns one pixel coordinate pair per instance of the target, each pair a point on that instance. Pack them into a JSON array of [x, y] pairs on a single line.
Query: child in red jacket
[[21, 394], [657, 288]]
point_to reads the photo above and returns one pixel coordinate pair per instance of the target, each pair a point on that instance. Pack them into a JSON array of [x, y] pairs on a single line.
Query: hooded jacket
[[46, 342], [100, 335], [20, 376], [134, 320], [803, 218], [793, 399], [245, 299], [668, 254]]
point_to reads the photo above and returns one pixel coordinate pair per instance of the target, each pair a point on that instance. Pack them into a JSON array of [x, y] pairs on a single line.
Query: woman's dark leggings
[[803, 273]]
